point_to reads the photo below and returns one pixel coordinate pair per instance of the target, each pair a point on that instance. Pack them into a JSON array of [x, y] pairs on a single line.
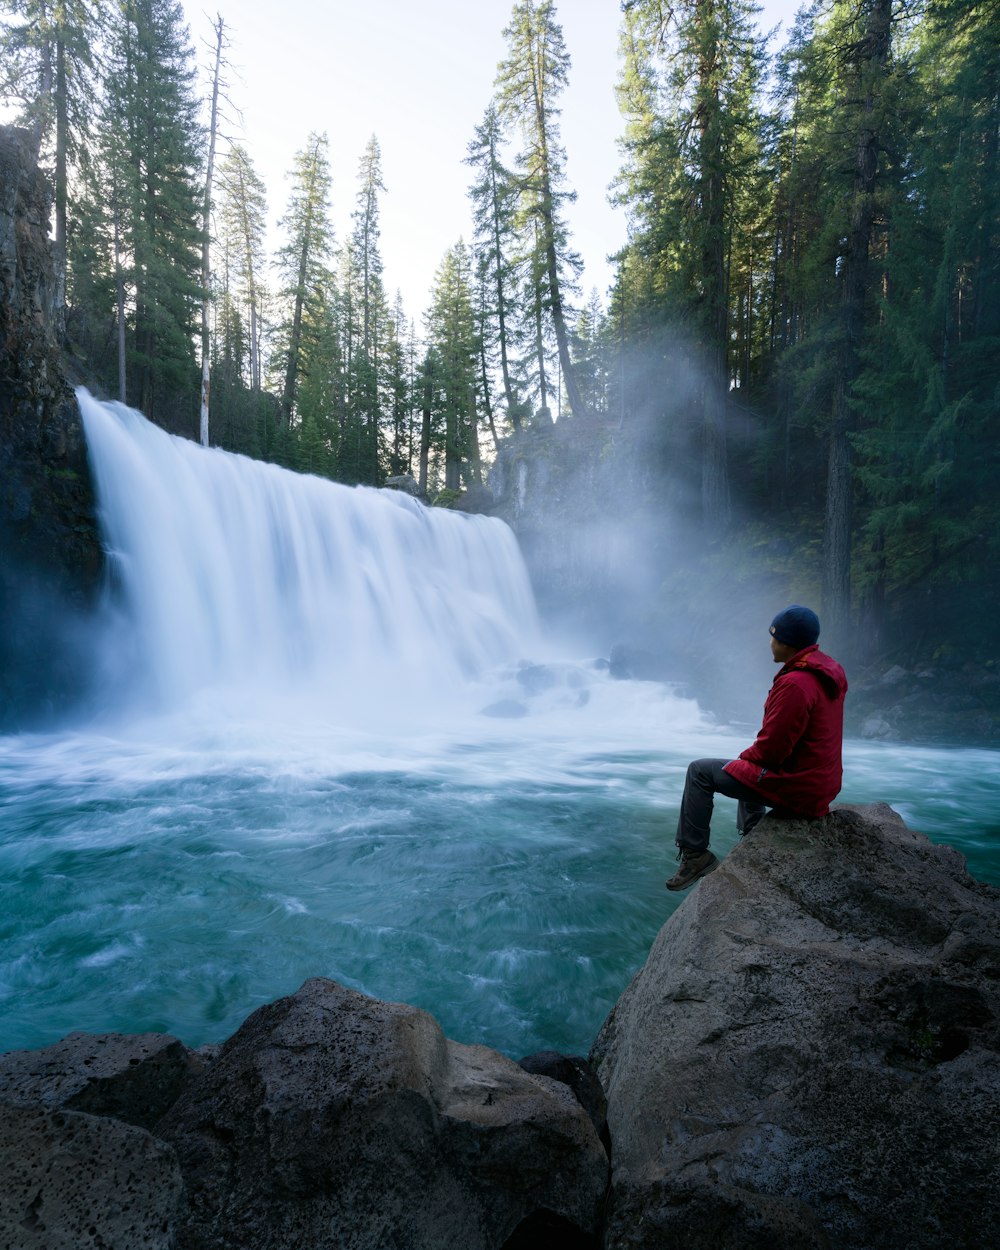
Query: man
[[794, 766]]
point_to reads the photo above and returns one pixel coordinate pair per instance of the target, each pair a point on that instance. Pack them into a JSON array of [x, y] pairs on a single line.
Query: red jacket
[[795, 763]]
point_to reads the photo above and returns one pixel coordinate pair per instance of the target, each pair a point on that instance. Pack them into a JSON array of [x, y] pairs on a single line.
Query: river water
[[333, 741]]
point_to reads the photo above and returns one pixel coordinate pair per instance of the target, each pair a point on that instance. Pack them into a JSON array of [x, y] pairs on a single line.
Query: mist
[[623, 562]]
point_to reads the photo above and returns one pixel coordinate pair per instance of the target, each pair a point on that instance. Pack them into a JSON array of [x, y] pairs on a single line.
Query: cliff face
[[50, 555]]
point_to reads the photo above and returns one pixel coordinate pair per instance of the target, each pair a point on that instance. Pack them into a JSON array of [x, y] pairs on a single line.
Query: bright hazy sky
[[418, 74]]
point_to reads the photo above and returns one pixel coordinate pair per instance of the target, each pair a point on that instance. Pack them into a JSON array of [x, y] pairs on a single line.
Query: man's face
[[781, 651]]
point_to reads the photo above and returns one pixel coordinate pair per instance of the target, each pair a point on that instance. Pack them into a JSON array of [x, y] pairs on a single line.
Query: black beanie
[[796, 626]]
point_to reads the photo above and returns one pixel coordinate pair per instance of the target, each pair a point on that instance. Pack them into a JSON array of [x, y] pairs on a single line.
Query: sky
[[418, 76]]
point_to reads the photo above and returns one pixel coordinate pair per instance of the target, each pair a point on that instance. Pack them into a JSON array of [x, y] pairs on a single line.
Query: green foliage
[[150, 163], [812, 265], [859, 305], [452, 331], [529, 82]]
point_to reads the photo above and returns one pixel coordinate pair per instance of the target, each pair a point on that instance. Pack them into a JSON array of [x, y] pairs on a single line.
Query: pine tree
[[529, 81], [590, 355], [370, 309], [840, 194], [925, 455], [495, 194], [303, 262], [151, 147], [242, 231], [689, 94], [206, 243], [451, 332], [399, 386]]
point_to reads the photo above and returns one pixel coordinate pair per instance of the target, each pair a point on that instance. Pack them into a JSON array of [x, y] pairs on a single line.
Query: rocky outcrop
[[329, 1119], [50, 555], [811, 1055], [951, 702]]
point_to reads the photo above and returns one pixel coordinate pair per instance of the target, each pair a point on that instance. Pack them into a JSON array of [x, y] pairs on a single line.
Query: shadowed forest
[[804, 323]]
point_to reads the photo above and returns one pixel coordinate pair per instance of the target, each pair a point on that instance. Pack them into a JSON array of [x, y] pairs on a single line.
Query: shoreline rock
[[811, 1055], [329, 1119]]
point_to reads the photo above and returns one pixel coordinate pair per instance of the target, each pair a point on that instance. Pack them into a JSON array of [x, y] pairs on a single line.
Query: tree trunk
[[513, 408], [715, 503], [872, 56], [425, 433], [206, 243], [487, 401], [62, 144], [120, 298]]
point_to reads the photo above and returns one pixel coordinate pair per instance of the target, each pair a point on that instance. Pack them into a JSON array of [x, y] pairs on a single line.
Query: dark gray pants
[[705, 779]]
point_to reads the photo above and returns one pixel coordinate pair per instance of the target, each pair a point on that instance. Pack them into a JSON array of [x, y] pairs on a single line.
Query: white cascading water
[[241, 575]]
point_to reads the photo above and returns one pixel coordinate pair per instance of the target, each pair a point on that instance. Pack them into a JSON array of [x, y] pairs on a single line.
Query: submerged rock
[[405, 482], [505, 709], [811, 1055]]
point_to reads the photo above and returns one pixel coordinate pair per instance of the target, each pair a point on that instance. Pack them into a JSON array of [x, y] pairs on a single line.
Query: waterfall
[[232, 573]]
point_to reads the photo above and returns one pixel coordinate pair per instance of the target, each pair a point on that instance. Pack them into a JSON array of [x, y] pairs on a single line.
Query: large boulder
[[331, 1119], [811, 1055]]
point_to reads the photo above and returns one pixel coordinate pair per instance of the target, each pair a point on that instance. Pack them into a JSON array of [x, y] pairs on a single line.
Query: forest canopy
[[812, 244]]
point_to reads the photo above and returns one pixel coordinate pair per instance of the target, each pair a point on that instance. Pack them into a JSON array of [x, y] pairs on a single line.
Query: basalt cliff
[[810, 1058], [50, 554]]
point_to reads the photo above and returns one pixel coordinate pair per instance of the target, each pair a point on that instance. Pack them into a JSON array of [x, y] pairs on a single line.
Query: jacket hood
[[825, 667]]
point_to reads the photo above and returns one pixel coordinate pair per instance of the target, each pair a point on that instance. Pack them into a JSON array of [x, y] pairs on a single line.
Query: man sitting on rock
[[794, 766]]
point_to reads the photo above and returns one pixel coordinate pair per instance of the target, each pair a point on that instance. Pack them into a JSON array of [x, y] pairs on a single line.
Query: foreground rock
[[330, 1121], [333, 1119], [811, 1055]]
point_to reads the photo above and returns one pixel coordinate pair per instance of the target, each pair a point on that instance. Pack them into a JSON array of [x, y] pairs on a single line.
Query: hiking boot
[[694, 864]]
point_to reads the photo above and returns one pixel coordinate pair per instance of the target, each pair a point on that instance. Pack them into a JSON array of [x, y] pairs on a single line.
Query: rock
[[536, 678], [132, 1077], [576, 1072], [633, 663], [334, 1120], [876, 727], [509, 709], [405, 482], [811, 1055], [476, 498], [73, 1181]]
